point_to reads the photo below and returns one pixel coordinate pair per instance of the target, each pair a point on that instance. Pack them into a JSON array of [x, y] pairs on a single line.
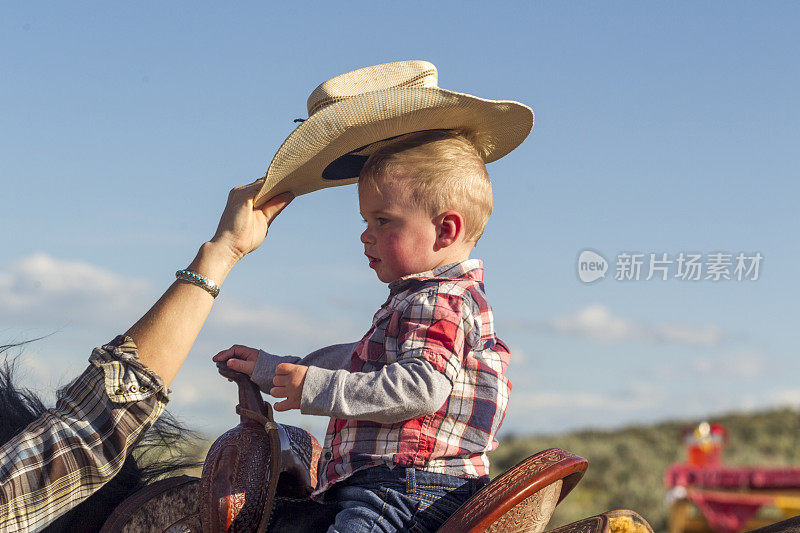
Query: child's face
[[400, 237]]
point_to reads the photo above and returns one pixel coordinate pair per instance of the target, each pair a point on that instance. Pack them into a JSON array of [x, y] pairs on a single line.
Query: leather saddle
[[248, 465], [259, 460]]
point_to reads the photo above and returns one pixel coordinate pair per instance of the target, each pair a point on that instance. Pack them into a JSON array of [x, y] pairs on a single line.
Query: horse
[[260, 465]]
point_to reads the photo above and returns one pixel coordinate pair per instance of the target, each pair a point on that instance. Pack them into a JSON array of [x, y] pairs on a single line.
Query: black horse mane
[[165, 450]]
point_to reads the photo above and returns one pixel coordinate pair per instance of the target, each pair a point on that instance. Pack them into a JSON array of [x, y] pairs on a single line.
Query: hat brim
[[354, 123]]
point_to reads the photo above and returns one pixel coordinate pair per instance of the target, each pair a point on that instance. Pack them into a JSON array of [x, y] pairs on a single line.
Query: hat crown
[[374, 78]]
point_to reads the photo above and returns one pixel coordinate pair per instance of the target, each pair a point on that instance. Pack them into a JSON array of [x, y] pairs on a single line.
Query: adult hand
[[242, 227], [239, 358], [288, 383], [167, 331]]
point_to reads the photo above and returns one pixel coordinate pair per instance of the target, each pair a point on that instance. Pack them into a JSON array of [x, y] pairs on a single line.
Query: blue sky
[[660, 128]]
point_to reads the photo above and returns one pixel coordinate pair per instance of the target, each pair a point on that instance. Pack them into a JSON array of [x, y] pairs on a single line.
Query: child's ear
[[449, 228]]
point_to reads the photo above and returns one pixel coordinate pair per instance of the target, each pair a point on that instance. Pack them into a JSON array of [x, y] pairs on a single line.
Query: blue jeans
[[379, 499]]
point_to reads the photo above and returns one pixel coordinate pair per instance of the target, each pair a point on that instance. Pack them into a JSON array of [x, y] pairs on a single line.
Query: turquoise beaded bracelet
[[201, 281]]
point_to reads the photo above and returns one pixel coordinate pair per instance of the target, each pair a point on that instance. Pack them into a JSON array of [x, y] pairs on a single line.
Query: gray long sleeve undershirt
[[399, 391]]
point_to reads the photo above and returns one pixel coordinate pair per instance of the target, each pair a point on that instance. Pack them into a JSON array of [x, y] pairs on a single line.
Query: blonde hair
[[443, 169]]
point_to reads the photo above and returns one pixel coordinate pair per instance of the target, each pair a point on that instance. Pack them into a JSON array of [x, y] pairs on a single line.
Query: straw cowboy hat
[[349, 116]]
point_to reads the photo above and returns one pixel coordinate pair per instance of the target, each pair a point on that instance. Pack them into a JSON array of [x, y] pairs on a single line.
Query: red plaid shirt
[[441, 316]]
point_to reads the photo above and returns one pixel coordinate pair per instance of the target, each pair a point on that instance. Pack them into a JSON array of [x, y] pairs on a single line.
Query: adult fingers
[[273, 207], [241, 365], [279, 392], [249, 190], [237, 350], [221, 356]]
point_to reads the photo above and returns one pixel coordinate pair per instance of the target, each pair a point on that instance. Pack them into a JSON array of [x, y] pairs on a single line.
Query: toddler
[[415, 405]]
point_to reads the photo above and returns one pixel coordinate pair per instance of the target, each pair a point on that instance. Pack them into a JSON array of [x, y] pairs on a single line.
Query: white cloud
[[43, 294], [709, 335], [634, 397], [562, 409], [231, 314], [789, 397], [43, 290], [40, 290], [746, 364], [283, 331], [596, 322], [733, 364], [201, 386], [544, 400]]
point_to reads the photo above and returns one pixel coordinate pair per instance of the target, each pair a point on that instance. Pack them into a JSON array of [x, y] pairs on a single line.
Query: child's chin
[[386, 278]]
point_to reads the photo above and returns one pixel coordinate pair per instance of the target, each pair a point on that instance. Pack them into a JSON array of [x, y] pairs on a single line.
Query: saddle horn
[[240, 473], [248, 465]]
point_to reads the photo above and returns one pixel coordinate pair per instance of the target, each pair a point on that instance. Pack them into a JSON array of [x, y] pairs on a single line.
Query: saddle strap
[[271, 429], [266, 422]]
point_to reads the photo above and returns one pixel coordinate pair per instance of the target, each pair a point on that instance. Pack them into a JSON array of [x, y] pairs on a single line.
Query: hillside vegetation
[[626, 465]]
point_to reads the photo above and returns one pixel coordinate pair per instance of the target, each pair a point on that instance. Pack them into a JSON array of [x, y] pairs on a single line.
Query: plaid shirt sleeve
[[72, 450], [438, 326]]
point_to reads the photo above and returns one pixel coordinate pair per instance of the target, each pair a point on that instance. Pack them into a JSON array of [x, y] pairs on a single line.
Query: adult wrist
[[213, 261]]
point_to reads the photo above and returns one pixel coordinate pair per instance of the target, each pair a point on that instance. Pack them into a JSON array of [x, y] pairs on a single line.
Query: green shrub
[[626, 466]]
